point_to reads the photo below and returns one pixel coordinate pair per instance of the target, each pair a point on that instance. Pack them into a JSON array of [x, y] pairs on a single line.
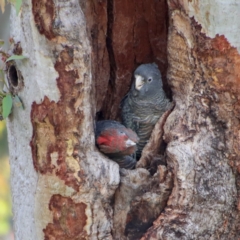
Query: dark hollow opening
[[13, 76], [124, 35]]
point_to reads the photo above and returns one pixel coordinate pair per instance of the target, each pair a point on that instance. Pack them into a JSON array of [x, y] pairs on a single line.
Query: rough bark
[[201, 133], [81, 55], [61, 186]]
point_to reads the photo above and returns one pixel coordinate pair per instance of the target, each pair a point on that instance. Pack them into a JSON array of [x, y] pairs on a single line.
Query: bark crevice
[[136, 33]]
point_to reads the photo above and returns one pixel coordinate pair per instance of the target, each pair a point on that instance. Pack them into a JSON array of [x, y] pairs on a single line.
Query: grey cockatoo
[[145, 103]]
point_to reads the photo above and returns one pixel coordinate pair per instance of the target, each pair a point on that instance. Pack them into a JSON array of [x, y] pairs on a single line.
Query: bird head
[[147, 81], [117, 140]]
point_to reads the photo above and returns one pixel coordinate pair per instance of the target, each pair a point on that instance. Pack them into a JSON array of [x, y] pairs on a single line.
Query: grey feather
[[126, 162], [141, 108]]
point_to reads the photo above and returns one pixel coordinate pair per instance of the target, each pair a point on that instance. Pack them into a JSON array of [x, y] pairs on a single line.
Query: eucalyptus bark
[[81, 55]]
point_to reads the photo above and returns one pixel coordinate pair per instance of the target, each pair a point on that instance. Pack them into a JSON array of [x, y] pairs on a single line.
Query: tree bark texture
[[81, 55], [201, 132]]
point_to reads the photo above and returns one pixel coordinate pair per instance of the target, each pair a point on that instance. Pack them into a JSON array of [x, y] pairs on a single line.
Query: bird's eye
[[150, 79]]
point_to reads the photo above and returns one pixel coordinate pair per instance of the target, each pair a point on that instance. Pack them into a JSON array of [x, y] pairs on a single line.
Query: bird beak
[[138, 82], [130, 143]]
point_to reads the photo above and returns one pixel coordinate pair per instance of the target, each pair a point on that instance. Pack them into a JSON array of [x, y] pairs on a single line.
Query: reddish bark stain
[[220, 44], [52, 127], [43, 12], [17, 48], [69, 219], [176, 4]]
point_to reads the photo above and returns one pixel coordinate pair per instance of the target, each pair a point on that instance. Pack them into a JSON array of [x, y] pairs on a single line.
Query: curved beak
[[138, 82], [130, 143]]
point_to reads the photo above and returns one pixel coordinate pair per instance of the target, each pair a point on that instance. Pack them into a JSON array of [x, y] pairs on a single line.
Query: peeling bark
[[58, 139], [200, 134], [69, 219]]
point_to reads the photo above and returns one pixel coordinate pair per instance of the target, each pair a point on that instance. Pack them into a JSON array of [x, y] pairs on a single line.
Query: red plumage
[[116, 141]]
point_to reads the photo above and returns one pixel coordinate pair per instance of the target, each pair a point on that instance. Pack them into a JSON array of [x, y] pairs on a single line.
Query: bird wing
[[128, 116]]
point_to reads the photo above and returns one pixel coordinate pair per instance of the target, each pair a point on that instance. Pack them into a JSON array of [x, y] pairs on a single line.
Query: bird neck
[[135, 96]]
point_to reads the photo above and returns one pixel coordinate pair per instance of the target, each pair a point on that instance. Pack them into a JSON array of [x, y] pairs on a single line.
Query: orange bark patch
[[222, 72], [56, 127], [43, 12], [69, 219]]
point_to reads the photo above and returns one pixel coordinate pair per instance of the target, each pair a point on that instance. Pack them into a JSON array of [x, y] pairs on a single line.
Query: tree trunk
[[81, 55]]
